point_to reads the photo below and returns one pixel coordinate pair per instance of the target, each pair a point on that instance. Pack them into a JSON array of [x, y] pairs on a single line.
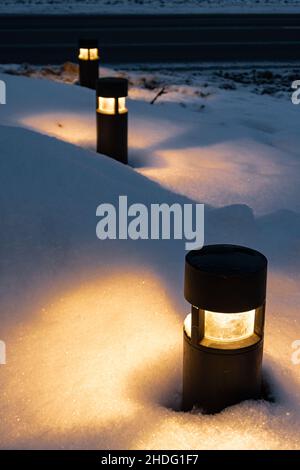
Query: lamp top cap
[[225, 278], [112, 87], [87, 43], [227, 260]]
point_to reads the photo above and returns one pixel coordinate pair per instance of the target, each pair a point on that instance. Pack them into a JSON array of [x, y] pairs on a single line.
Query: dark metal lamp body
[[112, 128], [218, 373], [88, 67]]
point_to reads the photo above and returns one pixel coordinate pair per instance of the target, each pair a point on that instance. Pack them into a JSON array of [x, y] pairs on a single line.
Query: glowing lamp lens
[[94, 54], [225, 327], [84, 54], [108, 105], [88, 54]]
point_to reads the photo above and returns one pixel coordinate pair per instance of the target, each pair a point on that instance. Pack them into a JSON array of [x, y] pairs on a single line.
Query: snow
[[244, 150], [147, 6], [93, 328]]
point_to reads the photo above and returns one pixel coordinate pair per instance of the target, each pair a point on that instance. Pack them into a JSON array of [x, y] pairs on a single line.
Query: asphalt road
[[151, 38]]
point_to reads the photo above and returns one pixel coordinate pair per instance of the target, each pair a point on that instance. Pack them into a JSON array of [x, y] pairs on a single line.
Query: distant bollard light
[[88, 63], [223, 335], [112, 118]]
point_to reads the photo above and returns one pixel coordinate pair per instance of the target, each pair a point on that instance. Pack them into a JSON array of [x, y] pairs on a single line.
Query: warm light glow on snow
[[70, 127], [219, 175], [88, 358], [88, 54], [107, 105]]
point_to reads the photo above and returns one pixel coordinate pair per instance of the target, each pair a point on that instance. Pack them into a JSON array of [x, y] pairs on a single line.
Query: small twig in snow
[[160, 93]]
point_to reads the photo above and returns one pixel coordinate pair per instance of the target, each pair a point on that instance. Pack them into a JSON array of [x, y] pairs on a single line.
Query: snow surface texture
[[94, 329], [148, 6]]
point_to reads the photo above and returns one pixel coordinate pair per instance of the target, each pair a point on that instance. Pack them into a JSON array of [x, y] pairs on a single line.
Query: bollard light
[[223, 334], [88, 58], [112, 118]]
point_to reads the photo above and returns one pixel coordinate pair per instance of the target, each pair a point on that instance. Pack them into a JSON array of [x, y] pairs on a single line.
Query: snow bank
[[244, 150], [94, 329]]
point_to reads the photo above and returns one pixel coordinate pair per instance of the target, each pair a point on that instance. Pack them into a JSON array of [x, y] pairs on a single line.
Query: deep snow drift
[[94, 329]]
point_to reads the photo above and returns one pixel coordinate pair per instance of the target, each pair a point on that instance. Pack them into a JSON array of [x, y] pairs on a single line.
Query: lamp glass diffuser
[[229, 327], [112, 105], [225, 328], [88, 54]]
